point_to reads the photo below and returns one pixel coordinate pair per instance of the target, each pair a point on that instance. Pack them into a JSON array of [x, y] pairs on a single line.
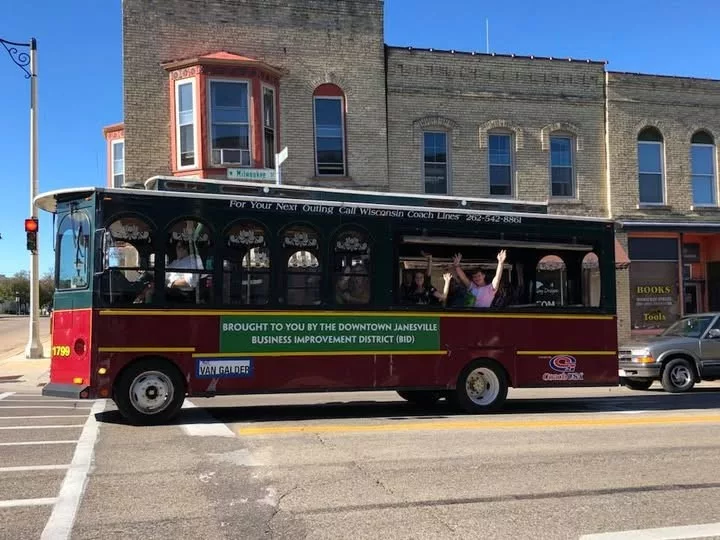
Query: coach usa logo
[[564, 367]]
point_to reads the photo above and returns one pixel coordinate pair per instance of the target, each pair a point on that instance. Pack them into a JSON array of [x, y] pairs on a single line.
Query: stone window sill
[[651, 207], [559, 200]]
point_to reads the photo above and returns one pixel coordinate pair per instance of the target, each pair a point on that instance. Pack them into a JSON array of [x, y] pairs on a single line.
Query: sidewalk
[[18, 373]]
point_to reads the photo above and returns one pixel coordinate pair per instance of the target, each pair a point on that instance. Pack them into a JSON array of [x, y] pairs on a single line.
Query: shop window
[[351, 267], [300, 244], [246, 265], [702, 157], [230, 123], [435, 162], [129, 262], [189, 262], [329, 119], [73, 242], [500, 160], [650, 153], [561, 166]]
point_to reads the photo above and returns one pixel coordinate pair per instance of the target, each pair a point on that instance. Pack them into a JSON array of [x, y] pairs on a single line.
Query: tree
[[47, 288], [19, 286]]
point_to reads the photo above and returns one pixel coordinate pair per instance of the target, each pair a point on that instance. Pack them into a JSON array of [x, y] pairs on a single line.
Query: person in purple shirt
[[483, 291]]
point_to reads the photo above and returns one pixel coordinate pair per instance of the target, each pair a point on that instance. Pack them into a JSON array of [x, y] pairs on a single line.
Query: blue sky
[[80, 68]]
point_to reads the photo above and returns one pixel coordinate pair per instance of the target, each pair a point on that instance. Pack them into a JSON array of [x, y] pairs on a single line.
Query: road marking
[[34, 468], [43, 417], [62, 519], [207, 426], [5, 395], [15, 503], [43, 427], [2, 407], [662, 533], [482, 424], [38, 443]]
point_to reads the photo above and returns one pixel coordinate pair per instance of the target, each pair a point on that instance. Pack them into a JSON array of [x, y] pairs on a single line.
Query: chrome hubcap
[[680, 376], [151, 392], [482, 386]]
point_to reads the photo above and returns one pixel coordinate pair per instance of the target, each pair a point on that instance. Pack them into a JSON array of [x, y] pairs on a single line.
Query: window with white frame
[[185, 122], [501, 165], [435, 162], [561, 166], [230, 122], [118, 162], [269, 126], [650, 166], [329, 135], [702, 158]]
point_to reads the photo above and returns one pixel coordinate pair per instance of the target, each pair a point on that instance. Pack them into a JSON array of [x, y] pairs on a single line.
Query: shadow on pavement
[[206, 412]]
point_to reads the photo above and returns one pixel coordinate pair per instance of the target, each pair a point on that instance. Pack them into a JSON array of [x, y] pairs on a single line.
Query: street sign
[[251, 174], [282, 156]]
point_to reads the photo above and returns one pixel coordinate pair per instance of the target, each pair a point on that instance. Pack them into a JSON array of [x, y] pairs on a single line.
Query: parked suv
[[686, 353]]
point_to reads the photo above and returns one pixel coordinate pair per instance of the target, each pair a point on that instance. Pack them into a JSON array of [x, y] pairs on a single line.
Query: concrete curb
[[16, 370]]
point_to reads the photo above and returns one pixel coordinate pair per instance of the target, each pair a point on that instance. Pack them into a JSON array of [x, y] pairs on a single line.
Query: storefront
[[673, 273]]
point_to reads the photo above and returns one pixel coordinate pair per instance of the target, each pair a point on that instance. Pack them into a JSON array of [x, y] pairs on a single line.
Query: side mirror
[[714, 333]]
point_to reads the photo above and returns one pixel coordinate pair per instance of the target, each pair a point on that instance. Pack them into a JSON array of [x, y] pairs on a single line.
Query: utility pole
[[33, 349]]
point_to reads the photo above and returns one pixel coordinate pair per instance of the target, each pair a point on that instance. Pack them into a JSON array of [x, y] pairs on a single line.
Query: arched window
[[650, 166], [329, 118], [130, 261], [500, 159], [189, 262], [300, 244], [550, 282], [702, 158], [562, 165], [351, 267], [246, 265]]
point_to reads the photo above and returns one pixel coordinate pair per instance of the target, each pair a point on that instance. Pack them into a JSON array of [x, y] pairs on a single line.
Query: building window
[[702, 157], [650, 166], [561, 166], [118, 163], [269, 126], [500, 159], [185, 121], [230, 124], [329, 113], [435, 162]]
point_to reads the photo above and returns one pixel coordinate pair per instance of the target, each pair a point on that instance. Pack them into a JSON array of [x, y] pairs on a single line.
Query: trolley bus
[[198, 288]]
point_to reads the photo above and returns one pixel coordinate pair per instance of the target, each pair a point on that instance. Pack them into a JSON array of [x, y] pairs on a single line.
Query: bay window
[[230, 123]]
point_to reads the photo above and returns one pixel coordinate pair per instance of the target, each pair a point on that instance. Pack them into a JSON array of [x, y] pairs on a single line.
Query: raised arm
[[498, 273], [459, 271]]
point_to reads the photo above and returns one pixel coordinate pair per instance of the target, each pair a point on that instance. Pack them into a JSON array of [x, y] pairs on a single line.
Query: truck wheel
[[420, 397], [482, 387], [637, 384], [150, 392], [678, 376]]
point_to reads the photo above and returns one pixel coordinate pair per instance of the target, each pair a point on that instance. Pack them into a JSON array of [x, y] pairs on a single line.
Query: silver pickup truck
[[686, 353]]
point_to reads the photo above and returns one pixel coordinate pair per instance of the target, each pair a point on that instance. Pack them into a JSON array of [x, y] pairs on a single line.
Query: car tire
[[150, 392], [424, 398], [678, 376], [637, 384], [482, 386]]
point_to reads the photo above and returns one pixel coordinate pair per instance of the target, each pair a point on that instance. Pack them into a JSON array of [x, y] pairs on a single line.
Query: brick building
[[213, 89]]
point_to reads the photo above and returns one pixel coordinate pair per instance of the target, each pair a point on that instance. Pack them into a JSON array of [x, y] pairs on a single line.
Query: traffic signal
[[31, 230]]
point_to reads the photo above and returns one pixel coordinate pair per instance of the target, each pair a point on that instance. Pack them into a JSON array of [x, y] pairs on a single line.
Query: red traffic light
[[31, 225]]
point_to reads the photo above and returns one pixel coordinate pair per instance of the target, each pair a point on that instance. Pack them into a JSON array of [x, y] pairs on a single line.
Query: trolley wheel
[[482, 387], [150, 392]]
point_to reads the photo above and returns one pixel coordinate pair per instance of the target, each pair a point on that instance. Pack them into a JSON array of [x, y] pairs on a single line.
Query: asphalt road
[[14, 333], [555, 464]]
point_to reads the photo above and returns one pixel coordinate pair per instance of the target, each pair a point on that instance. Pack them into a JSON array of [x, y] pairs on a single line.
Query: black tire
[[421, 397], [149, 375], [637, 384], [493, 394], [678, 376]]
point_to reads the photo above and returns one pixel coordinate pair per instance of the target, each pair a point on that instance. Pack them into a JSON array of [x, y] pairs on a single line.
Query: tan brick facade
[[394, 94]]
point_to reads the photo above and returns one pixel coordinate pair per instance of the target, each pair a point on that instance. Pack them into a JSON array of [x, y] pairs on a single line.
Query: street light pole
[[34, 348]]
